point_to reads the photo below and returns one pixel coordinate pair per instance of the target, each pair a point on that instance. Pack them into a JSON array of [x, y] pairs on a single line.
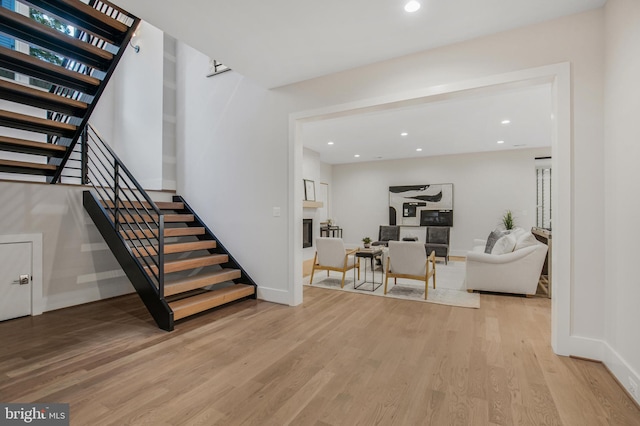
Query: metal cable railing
[[133, 214]]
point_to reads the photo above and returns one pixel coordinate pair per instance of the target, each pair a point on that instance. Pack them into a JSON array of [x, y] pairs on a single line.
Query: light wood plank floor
[[339, 359]]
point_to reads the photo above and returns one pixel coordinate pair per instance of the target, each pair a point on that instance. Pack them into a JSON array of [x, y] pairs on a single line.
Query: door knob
[[24, 280]]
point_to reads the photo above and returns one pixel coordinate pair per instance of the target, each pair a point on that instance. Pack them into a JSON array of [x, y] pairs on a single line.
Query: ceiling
[[470, 123], [279, 42]]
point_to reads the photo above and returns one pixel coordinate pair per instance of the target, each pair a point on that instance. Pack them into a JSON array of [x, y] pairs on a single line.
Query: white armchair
[[515, 272], [331, 255], [409, 260]]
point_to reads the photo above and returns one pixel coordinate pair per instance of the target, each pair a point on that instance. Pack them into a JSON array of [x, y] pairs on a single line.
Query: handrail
[[133, 214]]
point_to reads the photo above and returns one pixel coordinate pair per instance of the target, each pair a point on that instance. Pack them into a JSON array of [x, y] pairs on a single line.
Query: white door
[[15, 280]]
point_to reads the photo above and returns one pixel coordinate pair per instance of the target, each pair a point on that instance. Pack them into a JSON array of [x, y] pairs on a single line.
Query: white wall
[[320, 173], [77, 264], [169, 114], [233, 155], [232, 166], [485, 185], [129, 115], [622, 132]]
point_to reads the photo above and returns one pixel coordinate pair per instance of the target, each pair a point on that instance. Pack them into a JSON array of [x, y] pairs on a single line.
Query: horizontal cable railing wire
[[132, 212]]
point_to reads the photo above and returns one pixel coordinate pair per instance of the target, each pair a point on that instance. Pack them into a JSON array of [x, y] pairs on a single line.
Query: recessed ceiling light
[[404, 134], [500, 141], [412, 6], [505, 121], [329, 143], [357, 155], [418, 149]]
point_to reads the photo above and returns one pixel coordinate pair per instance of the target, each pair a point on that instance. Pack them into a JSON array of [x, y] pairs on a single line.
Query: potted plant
[[367, 242], [507, 220]]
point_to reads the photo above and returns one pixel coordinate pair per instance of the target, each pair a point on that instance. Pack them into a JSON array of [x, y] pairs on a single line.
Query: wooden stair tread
[[34, 67], [182, 285], [20, 93], [31, 31], [35, 124], [170, 205], [162, 205], [168, 218], [23, 167], [192, 305], [190, 263], [31, 147], [168, 232], [83, 16], [175, 248]]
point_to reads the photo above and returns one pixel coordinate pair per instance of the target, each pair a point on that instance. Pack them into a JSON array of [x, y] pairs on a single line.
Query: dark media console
[[436, 218]]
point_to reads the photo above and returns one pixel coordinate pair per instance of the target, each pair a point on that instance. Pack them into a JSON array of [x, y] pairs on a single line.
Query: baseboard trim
[[86, 295], [621, 371], [274, 295], [581, 358], [629, 394], [594, 350]]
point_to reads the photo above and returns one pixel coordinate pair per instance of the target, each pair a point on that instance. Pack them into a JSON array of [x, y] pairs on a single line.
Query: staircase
[[75, 77], [176, 264]]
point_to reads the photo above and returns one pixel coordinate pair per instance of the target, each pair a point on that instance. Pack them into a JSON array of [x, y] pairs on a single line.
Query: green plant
[[507, 220], [366, 240]]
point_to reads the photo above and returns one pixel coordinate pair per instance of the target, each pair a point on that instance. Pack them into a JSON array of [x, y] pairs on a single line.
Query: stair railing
[[133, 214], [132, 22]]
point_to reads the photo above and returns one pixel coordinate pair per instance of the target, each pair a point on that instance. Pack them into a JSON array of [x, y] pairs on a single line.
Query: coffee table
[[369, 253]]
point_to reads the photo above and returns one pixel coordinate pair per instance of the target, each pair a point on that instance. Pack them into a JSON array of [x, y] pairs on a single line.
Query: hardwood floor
[[339, 359]]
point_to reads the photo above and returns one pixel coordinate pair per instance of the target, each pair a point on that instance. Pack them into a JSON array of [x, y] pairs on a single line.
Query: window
[[8, 42], [543, 192]]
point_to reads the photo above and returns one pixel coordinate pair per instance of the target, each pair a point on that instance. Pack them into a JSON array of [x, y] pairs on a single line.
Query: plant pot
[[367, 245]]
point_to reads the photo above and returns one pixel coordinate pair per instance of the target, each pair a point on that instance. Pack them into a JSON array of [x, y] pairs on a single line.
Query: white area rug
[[449, 286]]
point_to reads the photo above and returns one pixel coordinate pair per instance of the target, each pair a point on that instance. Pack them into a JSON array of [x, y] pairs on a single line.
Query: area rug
[[449, 286]]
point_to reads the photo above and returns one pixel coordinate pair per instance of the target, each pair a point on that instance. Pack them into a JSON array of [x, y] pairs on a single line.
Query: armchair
[[386, 234], [514, 272], [332, 256], [438, 241], [407, 259]]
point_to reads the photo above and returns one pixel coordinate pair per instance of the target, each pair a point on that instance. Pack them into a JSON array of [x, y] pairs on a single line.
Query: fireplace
[[307, 233]]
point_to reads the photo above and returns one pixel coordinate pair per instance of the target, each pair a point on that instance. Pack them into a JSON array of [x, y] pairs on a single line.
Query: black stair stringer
[[220, 248], [157, 307]]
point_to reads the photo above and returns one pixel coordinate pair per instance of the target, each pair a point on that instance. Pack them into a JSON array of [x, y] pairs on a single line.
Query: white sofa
[[515, 272]]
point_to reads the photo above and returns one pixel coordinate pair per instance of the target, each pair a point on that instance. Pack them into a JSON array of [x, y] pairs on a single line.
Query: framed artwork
[[309, 190], [421, 205]]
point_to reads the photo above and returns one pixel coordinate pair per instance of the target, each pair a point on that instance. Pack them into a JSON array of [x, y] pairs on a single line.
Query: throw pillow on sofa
[[525, 240], [491, 240], [504, 245]]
